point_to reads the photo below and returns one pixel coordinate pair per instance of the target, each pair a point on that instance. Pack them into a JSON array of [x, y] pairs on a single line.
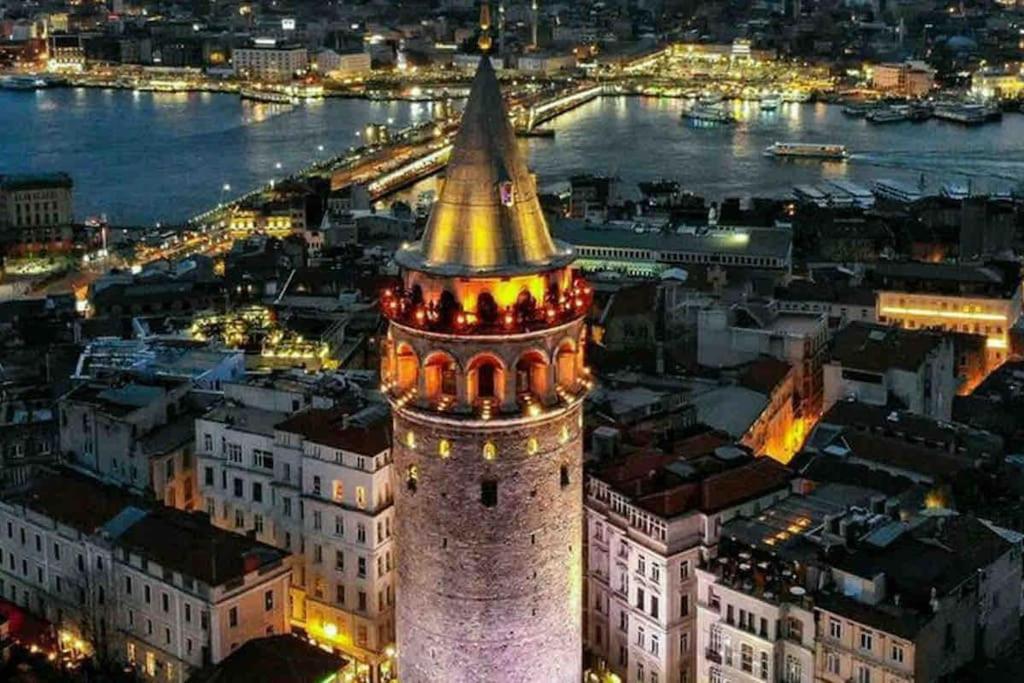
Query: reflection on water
[[147, 157]]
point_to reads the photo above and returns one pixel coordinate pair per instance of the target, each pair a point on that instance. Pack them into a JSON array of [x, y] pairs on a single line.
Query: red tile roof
[[329, 427]]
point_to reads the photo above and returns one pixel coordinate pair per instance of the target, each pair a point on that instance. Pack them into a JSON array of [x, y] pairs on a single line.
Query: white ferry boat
[[269, 96], [23, 83], [770, 102], [888, 115], [708, 114], [806, 150], [897, 191]]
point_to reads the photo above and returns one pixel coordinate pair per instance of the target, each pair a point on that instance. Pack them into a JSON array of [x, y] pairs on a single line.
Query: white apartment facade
[[269, 61], [318, 485], [743, 637], [640, 614], [125, 589]]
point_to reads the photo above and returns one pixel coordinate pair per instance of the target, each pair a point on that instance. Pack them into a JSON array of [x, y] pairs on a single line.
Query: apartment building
[[651, 520], [742, 333], [269, 60], [153, 587], [982, 299], [842, 584], [881, 365], [315, 483], [133, 430]]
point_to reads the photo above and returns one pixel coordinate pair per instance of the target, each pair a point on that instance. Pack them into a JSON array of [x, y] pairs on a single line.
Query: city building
[[134, 431], [651, 521], [269, 60], [743, 332], [974, 298], [28, 438], [891, 366], [35, 211], [298, 465], [483, 364], [650, 252], [917, 601], [156, 588], [909, 79], [342, 65]]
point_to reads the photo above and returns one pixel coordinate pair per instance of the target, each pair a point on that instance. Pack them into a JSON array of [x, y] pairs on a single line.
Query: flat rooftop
[[773, 243]]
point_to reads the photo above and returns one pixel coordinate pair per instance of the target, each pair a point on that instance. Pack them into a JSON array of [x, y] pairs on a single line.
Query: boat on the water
[[23, 83], [770, 102], [708, 114], [954, 190], [268, 96], [888, 115], [807, 150], [796, 96]]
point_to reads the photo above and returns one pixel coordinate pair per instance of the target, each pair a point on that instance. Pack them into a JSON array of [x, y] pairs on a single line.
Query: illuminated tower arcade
[[483, 366]]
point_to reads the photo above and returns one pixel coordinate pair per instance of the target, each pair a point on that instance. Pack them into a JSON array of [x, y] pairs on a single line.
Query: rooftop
[[878, 348], [180, 541], [274, 659], [34, 181], [336, 428], [246, 419], [668, 485], [997, 279], [773, 243]]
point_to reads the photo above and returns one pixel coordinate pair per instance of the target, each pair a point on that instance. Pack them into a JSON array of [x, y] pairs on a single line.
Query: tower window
[[490, 451], [444, 448], [489, 493], [412, 478], [532, 446], [563, 476]]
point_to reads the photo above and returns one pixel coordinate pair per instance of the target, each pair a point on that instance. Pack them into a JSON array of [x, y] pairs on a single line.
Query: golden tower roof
[[487, 219]]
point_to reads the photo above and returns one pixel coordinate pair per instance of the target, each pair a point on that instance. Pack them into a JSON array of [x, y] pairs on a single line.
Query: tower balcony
[[447, 315]]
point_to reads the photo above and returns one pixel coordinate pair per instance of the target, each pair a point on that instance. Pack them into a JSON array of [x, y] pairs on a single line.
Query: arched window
[[532, 374], [407, 367], [486, 377], [565, 360], [441, 376]]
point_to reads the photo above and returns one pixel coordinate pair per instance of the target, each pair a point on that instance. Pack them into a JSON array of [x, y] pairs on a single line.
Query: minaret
[[483, 367]]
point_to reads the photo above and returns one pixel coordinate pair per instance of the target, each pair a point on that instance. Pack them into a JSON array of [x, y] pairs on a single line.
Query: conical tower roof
[[487, 219]]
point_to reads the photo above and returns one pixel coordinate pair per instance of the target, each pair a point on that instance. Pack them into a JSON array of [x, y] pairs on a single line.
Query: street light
[[278, 165]]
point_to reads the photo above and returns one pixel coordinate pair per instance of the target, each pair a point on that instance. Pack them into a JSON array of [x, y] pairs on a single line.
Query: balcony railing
[[446, 315], [713, 656]]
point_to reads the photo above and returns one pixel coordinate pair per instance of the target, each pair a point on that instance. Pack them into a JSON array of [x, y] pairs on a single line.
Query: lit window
[[532, 446], [565, 434], [444, 448], [490, 451], [361, 496], [410, 439]]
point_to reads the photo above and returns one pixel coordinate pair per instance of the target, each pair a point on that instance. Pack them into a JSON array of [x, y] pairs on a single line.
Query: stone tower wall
[[489, 594]]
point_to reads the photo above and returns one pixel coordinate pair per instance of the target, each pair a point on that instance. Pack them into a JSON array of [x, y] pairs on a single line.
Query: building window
[[316, 485], [489, 493], [563, 476], [747, 658], [412, 477], [794, 670], [233, 617], [361, 496], [268, 601], [866, 639], [897, 653], [684, 605], [835, 629], [863, 674], [764, 665], [655, 608], [832, 663]]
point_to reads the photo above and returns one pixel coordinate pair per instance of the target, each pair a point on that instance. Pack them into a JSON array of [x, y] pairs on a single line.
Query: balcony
[[713, 656], [447, 316]]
